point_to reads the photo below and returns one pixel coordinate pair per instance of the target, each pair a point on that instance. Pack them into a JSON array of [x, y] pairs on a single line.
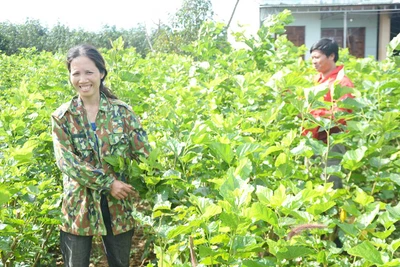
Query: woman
[[96, 199]]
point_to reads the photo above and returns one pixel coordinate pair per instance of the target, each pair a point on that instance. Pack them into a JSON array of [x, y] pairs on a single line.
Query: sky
[[92, 15]]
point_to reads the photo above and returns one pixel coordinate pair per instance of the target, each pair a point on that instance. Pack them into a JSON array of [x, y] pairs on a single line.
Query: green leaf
[[322, 257], [4, 195], [130, 76], [319, 208], [222, 151], [358, 126], [349, 229], [133, 169], [386, 219], [362, 197], [178, 230], [279, 196], [246, 149], [369, 215], [206, 206], [244, 168], [366, 251], [395, 178], [352, 158], [261, 212], [341, 91], [161, 205], [253, 130], [24, 154], [351, 208], [394, 211], [114, 161], [392, 263], [378, 162], [281, 159], [175, 146], [220, 238], [384, 234], [229, 219], [211, 211], [245, 243], [273, 246], [302, 149], [5, 242], [217, 120], [205, 251], [293, 252], [259, 263], [394, 245], [7, 228], [230, 185], [264, 194], [271, 150], [393, 45], [33, 189], [171, 175], [288, 139]]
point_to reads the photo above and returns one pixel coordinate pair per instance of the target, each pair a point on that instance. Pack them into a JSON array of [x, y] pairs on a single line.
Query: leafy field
[[230, 181]]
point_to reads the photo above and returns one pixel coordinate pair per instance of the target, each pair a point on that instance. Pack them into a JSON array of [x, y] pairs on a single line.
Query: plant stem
[[8, 255], [43, 244], [373, 188], [348, 178], [192, 254]]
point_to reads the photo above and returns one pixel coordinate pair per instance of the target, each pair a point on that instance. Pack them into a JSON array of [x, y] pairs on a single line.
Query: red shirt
[[344, 81]]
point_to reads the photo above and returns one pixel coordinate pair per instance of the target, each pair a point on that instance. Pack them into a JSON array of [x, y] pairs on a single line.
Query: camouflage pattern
[[85, 173]]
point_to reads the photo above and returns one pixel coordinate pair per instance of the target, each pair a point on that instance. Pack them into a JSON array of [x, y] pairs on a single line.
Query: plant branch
[[37, 257], [192, 253], [297, 230]]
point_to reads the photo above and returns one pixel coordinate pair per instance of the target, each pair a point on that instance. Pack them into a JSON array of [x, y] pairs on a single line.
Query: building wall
[[312, 25], [314, 21], [369, 21]]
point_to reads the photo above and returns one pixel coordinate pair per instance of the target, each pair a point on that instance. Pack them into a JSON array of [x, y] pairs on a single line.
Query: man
[[324, 55]]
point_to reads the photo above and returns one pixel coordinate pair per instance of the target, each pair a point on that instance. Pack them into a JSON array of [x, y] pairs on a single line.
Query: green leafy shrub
[[230, 181]]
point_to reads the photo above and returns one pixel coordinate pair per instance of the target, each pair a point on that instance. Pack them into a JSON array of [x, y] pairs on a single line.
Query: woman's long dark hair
[[93, 54]]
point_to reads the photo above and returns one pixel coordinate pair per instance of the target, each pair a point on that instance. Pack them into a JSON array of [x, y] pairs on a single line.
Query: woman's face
[[85, 77]]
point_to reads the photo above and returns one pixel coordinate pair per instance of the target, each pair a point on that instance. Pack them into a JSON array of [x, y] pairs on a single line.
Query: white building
[[364, 27]]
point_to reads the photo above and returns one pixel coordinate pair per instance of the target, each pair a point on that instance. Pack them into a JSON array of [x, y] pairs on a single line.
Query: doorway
[[355, 39]]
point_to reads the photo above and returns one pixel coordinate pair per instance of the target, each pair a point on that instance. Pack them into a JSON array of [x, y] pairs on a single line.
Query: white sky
[[92, 15]]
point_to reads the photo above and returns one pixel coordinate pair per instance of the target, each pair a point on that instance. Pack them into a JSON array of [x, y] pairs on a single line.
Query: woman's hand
[[121, 190]]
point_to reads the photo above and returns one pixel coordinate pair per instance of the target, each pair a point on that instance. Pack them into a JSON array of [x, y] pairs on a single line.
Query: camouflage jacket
[[85, 173]]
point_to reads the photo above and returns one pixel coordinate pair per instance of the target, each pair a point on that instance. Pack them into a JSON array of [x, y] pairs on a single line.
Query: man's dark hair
[[327, 46]]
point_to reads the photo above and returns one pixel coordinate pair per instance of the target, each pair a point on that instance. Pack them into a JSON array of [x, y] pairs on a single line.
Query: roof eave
[[327, 5]]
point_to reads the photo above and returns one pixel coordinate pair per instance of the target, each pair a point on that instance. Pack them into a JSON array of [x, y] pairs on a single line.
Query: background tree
[[4, 43], [16, 36], [183, 27], [136, 37], [172, 36], [58, 38]]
